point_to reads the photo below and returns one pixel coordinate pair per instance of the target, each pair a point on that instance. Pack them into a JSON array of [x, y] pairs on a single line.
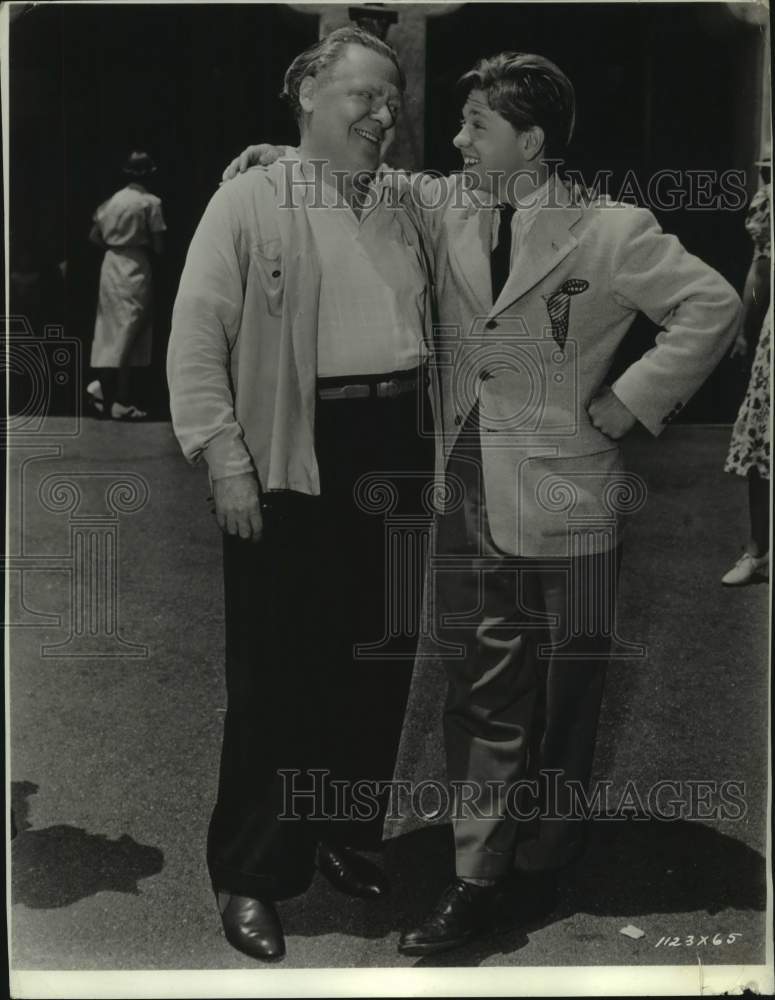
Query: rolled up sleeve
[[205, 327]]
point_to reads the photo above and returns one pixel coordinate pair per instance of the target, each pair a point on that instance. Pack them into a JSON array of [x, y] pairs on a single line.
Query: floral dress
[[750, 445]]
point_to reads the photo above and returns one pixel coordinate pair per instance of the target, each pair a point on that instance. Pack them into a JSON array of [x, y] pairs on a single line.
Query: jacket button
[[275, 274], [458, 420], [490, 324]]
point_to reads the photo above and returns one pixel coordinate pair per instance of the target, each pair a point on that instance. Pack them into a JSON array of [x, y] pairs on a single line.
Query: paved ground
[[114, 758]]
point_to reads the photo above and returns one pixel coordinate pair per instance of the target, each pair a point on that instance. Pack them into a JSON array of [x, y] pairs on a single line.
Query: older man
[[537, 288], [295, 371]]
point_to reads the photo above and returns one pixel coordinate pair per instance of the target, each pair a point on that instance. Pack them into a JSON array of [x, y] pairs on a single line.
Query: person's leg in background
[[759, 511], [110, 393]]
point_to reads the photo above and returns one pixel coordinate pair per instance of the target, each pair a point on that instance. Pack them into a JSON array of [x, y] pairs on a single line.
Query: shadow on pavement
[[642, 866], [61, 864], [632, 867]]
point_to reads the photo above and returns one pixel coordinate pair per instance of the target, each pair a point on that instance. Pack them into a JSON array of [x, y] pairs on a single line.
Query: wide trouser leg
[[374, 467], [572, 656], [487, 723], [480, 602], [299, 698], [259, 844], [535, 639]]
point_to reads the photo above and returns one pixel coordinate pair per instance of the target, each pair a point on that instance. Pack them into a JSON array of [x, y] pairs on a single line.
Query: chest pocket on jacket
[[270, 268]]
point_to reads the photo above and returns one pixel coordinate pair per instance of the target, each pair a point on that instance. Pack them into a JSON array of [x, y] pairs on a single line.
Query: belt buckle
[[355, 391], [389, 389]]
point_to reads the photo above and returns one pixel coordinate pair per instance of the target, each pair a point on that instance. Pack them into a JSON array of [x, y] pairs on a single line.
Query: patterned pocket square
[[558, 307]]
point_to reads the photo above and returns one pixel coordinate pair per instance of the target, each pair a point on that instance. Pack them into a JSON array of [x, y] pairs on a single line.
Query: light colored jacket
[[242, 358], [623, 263], [534, 359]]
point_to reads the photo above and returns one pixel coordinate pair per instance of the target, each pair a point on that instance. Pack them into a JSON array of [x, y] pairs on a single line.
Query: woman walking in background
[[749, 451], [128, 226]]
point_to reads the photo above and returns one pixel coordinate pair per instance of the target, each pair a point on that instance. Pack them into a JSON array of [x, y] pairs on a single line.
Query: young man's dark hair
[[527, 90]]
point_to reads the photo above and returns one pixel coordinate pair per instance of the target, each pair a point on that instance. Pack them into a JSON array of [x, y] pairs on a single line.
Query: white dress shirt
[[372, 293]]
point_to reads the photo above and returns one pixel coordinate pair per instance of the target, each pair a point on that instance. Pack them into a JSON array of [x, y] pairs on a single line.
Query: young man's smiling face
[[492, 149], [351, 109]]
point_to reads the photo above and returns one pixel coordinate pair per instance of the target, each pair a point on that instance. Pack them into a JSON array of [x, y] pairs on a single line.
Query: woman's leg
[[759, 511], [122, 385]]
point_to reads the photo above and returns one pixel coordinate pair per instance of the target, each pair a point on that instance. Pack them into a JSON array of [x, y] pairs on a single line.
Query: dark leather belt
[[370, 386]]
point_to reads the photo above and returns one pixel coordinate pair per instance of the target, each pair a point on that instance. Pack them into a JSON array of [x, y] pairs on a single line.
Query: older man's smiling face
[[351, 108]]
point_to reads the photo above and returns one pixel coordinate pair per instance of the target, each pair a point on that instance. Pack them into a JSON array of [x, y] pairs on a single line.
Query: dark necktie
[[500, 258]]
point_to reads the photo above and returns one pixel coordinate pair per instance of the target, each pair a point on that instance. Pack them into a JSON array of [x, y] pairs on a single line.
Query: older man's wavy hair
[[322, 56], [527, 90]]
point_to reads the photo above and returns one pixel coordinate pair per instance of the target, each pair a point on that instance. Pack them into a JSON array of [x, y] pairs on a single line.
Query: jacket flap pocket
[[268, 249]]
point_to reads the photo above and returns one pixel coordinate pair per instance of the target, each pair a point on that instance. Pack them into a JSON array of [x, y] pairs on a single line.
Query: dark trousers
[[305, 712], [525, 692]]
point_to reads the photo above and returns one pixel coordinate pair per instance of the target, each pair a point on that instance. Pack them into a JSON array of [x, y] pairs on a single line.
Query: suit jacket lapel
[[548, 242]]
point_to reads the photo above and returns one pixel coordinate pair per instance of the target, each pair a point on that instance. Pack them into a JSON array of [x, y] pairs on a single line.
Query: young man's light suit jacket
[[534, 359], [619, 263]]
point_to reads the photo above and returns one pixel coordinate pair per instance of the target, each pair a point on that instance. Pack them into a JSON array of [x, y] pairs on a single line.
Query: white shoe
[[746, 568], [95, 397]]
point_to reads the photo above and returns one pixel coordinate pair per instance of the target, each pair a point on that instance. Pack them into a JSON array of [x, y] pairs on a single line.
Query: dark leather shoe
[[464, 911], [350, 873], [253, 927]]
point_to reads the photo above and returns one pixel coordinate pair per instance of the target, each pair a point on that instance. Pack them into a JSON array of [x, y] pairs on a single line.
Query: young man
[[295, 371], [537, 288], [531, 436]]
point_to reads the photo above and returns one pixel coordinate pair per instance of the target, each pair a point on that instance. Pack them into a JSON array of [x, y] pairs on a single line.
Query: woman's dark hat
[[139, 164]]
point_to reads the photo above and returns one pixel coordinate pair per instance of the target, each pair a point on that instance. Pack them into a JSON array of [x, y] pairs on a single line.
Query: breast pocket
[[269, 266]]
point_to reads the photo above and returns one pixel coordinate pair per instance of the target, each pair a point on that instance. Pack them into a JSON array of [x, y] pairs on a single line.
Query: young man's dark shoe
[[463, 911]]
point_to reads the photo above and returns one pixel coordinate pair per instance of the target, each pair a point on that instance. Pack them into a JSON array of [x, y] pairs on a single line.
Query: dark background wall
[[191, 85], [658, 86]]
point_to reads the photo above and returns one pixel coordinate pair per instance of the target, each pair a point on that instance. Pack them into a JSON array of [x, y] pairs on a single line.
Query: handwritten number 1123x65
[[697, 941]]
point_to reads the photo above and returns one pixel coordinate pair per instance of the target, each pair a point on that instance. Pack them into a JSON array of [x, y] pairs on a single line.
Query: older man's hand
[[237, 507], [264, 154], [609, 414]]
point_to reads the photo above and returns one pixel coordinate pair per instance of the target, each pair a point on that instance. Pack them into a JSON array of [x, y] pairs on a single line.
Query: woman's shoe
[[746, 568], [120, 412], [95, 398]]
